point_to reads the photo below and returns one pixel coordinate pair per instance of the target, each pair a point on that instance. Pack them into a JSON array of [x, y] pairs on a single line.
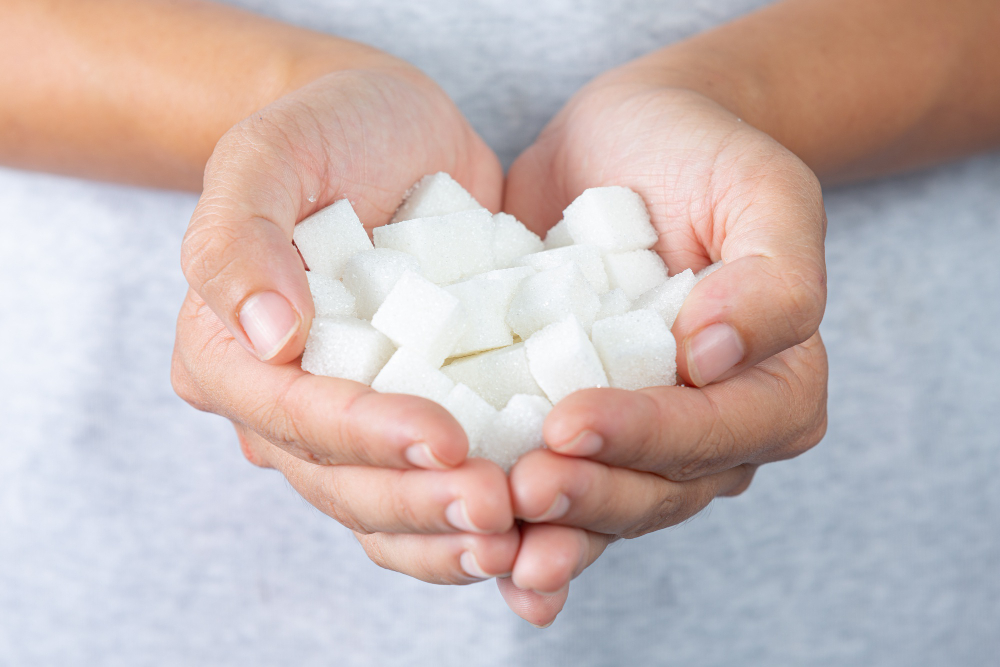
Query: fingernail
[[470, 564], [269, 321], [712, 352], [557, 510], [458, 516], [542, 627], [421, 456], [587, 443]]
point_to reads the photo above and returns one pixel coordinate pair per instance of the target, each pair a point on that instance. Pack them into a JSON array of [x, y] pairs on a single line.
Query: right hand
[[392, 468]]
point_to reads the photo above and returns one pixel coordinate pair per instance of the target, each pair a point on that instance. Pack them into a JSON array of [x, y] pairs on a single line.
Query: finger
[[772, 411], [539, 609], [319, 419], [548, 559], [444, 559], [293, 158], [531, 194], [551, 556], [549, 488], [472, 498]]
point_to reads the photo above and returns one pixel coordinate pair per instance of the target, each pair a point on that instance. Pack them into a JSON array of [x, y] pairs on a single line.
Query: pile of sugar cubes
[[475, 312]]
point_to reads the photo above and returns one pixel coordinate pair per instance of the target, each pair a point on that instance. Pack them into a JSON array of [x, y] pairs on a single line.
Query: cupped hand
[[621, 464], [392, 468]]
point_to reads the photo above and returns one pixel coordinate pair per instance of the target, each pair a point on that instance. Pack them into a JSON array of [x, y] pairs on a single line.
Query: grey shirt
[[132, 532]]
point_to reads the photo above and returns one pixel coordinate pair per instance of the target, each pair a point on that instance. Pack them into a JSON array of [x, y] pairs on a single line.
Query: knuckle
[[374, 548], [211, 245], [804, 287], [184, 385], [711, 450], [330, 502], [664, 512]]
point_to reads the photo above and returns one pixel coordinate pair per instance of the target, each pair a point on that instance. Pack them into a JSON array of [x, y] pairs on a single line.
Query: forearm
[[855, 88], [140, 92]]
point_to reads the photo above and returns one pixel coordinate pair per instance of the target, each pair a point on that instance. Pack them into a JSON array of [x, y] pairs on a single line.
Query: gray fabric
[[133, 533]]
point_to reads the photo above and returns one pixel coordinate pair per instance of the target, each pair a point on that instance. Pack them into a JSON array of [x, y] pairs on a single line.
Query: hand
[[392, 468], [622, 464]]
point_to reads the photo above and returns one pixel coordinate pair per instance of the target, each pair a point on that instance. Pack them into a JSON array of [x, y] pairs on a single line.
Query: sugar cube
[[473, 413], [635, 271], [419, 315], [345, 347], [667, 299], [558, 236], [330, 237], [637, 350], [496, 375], [485, 299], [613, 303], [707, 271], [450, 247], [586, 257], [512, 240], [371, 274], [433, 195], [515, 431], [563, 360], [549, 296], [614, 219], [408, 372], [330, 297]]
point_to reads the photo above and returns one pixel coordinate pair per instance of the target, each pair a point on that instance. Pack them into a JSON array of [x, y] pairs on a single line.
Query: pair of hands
[[392, 468]]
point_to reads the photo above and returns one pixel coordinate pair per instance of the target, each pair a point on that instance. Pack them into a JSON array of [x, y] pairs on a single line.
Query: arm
[[855, 88], [141, 92]]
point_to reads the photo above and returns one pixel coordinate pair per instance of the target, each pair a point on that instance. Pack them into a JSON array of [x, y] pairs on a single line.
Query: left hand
[[620, 463]]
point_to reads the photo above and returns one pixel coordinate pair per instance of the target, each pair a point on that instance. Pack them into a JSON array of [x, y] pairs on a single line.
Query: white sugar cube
[[496, 375], [668, 298], [614, 219], [371, 275], [345, 347], [330, 297], [485, 299], [635, 271], [419, 315], [549, 296], [586, 257], [512, 240], [563, 360], [707, 271], [515, 431], [330, 237], [433, 195], [613, 303], [408, 372], [558, 236], [472, 412], [450, 247], [637, 350]]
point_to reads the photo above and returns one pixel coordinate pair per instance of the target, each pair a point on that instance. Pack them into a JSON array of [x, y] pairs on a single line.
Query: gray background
[[132, 532]]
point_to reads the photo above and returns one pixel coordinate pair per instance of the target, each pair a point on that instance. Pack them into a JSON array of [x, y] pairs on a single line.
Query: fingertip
[[538, 609]]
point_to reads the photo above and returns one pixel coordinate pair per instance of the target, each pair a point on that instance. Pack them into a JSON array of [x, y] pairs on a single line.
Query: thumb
[[238, 253], [768, 296], [531, 193]]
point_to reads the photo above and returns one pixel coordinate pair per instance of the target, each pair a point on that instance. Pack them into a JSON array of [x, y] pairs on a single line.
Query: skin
[[723, 135]]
